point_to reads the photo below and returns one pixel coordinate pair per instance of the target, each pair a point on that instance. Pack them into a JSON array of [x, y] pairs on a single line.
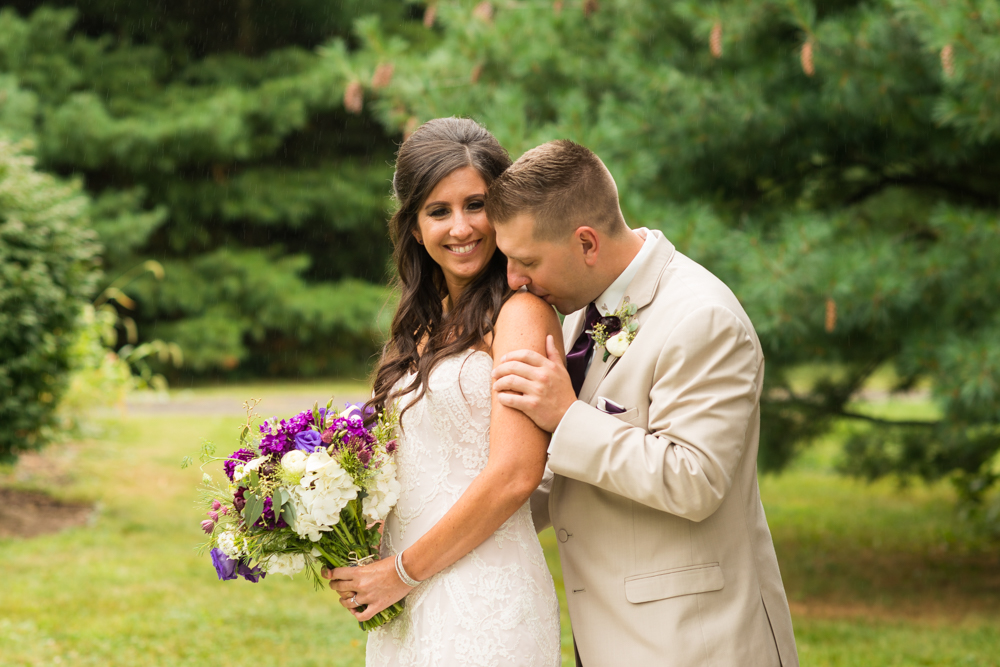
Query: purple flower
[[308, 440], [251, 575], [390, 446], [208, 526], [239, 500], [276, 445], [234, 460], [225, 566], [612, 324]]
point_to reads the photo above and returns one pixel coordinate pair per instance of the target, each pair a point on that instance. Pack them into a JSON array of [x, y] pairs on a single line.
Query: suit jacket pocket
[[627, 416], [673, 583]]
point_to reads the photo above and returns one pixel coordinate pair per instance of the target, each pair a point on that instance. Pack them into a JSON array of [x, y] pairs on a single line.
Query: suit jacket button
[[563, 535]]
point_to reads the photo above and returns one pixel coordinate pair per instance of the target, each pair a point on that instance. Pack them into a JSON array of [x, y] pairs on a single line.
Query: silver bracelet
[[407, 579]]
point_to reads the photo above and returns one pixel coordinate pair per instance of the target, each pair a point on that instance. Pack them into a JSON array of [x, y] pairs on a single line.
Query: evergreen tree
[[213, 137], [834, 162]]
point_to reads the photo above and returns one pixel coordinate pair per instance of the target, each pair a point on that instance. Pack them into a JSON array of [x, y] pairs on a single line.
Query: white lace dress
[[497, 605]]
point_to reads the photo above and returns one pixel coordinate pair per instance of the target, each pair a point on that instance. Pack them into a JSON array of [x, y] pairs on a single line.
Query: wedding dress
[[497, 605]]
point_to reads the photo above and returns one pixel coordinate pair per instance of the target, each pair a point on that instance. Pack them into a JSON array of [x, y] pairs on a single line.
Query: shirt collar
[[611, 298]]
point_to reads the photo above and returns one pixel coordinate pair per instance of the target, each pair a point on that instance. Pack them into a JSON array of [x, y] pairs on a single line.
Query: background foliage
[[48, 269], [212, 138], [832, 161]]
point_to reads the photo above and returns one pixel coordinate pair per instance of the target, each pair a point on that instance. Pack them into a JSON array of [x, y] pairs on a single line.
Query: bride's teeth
[[463, 249]]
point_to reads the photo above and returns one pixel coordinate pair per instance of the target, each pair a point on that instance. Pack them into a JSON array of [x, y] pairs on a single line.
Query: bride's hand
[[376, 585]]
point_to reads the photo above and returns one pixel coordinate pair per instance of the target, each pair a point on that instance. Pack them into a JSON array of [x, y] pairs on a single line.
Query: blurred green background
[[195, 194]]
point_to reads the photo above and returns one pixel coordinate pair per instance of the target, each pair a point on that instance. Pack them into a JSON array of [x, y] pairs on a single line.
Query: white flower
[[617, 344], [284, 564], [241, 471], [294, 462], [382, 493], [227, 544], [256, 463], [324, 491], [307, 526]]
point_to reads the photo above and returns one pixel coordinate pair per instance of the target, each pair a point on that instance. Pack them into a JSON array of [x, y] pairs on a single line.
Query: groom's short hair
[[563, 185]]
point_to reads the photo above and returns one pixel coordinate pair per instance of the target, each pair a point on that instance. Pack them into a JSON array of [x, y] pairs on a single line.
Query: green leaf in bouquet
[[316, 420], [186, 462], [279, 498], [288, 514], [254, 479], [254, 508], [207, 451], [243, 435]]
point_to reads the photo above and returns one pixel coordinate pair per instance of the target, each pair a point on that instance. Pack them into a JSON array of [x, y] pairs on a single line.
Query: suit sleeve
[[540, 502], [703, 397]]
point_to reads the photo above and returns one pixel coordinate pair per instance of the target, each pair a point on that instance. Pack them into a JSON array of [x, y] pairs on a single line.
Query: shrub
[[48, 271]]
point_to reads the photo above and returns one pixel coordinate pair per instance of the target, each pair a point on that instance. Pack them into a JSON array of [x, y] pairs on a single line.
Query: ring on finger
[[354, 600]]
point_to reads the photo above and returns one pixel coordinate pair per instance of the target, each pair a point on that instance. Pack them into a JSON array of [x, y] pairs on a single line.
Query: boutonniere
[[616, 331]]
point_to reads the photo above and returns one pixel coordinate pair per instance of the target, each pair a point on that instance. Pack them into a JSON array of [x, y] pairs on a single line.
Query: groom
[[651, 483]]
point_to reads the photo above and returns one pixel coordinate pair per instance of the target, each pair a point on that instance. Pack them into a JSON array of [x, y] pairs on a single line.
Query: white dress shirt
[[611, 298]]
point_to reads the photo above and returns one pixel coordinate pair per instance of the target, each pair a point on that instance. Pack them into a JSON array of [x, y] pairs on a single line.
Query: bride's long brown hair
[[434, 150]]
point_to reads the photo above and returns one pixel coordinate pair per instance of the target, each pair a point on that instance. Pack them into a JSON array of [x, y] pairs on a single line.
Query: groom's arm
[[703, 397]]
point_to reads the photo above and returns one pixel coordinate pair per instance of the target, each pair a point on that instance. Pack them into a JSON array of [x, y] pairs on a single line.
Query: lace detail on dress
[[495, 606]]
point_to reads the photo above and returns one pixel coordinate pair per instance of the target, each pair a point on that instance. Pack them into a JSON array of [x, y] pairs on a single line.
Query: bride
[[460, 544]]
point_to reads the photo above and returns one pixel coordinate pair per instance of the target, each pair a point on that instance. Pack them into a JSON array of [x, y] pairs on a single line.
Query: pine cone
[[354, 97], [831, 315], [411, 126], [948, 61], [429, 15], [382, 76], [806, 57], [715, 40], [484, 11]]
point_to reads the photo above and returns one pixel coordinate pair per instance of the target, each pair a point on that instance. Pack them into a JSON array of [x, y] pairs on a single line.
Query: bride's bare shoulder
[[524, 321]]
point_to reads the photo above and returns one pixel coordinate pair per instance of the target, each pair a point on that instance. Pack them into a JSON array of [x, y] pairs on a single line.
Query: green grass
[[876, 575]]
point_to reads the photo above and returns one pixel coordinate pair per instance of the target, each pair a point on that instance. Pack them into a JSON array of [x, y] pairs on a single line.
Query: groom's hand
[[537, 386]]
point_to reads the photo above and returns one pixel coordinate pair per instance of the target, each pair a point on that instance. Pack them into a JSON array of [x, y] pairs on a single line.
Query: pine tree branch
[[886, 422], [966, 193]]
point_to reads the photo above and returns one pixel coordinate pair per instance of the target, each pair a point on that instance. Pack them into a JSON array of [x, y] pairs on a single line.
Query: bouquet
[[306, 492]]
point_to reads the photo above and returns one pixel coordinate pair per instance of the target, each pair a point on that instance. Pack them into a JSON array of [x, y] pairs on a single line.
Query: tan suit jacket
[[666, 554]]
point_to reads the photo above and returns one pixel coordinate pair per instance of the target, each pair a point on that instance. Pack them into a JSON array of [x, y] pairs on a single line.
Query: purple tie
[[576, 360]]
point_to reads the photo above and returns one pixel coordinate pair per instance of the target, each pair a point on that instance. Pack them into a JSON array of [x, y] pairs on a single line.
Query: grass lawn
[[875, 575]]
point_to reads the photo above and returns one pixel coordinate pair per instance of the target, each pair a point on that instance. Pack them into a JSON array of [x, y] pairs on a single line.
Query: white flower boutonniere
[[616, 331]]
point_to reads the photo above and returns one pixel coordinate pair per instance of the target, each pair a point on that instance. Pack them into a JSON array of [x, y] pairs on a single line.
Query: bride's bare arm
[[514, 469]]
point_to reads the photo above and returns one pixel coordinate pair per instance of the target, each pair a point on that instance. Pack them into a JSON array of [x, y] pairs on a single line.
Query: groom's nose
[[514, 279]]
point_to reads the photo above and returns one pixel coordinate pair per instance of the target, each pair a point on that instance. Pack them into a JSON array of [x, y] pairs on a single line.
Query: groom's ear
[[588, 243]]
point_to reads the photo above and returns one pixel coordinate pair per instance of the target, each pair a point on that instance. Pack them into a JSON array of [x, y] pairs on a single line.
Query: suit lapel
[[573, 327], [640, 292]]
